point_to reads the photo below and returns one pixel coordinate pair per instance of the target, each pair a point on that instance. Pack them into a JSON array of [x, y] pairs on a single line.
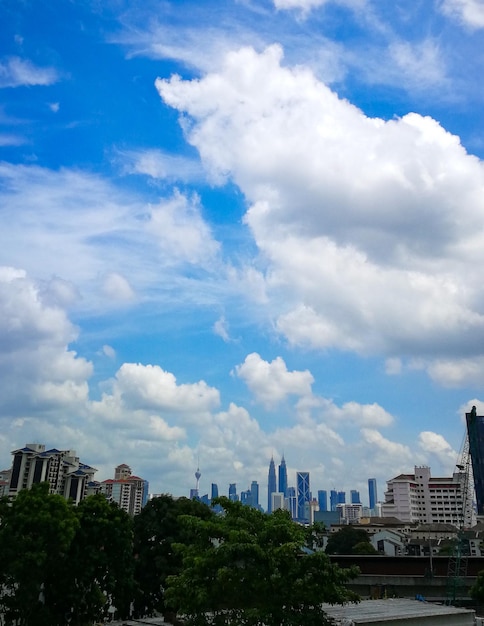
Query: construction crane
[[457, 568]]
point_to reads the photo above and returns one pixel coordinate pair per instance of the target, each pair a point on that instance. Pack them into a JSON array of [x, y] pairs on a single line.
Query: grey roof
[[394, 610]]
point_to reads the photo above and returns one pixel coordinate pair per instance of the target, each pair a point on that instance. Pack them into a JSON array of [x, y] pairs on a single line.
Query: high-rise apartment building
[[129, 492], [62, 469], [283, 477], [303, 495], [271, 484], [372, 493], [419, 497]]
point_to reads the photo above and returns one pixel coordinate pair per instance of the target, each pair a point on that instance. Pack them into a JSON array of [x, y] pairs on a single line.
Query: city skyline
[[242, 229]]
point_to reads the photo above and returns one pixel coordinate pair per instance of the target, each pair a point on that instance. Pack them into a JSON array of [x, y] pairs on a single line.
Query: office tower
[[333, 499], [283, 477], [323, 500], [254, 493], [214, 492], [66, 475], [271, 484], [277, 501], [292, 502], [372, 493], [303, 495], [233, 492], [341, 497], [355, 497], [245, 497], [475, 434]]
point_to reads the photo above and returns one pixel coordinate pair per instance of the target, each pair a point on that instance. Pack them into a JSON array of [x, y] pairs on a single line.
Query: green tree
[[246, 567], [98, 572], [36, 532], [477, 590], [349, 540], [156, 528]]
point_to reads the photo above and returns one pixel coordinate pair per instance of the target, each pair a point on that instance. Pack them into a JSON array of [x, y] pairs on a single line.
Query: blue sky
[[232, 229]]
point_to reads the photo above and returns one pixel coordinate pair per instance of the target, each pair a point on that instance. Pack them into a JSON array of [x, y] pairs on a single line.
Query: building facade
[[271, 484], [129, 492], [372, 493], [419, 497], [283, 477], [303, 495], [475, 433], [62, 469]]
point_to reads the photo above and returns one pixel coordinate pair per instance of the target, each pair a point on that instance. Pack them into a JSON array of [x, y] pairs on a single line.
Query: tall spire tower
[[283, 476], [271, 484]]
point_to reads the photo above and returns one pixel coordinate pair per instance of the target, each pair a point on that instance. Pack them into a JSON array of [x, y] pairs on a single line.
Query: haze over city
[[232, 230]]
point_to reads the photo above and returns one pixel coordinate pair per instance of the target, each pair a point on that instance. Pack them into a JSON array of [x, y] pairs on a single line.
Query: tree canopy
[[60, 563], [156, 528], [350, 540], [246, 567]]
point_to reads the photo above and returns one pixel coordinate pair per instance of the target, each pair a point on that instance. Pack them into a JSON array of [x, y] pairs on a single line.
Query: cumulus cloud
[[16, 72], [469, 12], [38, 371], [271, 382], [436, 446], [371, 230]]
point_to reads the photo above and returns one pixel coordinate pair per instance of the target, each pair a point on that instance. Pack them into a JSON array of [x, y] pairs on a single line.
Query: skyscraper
[[233, 492], [283, 477], [372, 493], [214, 493], [355, 497], [292, 502], [475, 433], [341, 497], [333, 499], [271, 484], [323, 500], [303, 495], [254, 494]]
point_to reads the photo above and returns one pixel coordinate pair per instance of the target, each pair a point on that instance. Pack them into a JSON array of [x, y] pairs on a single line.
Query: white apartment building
[[421, 498], [350, 513], [62, 469], [128, 491]]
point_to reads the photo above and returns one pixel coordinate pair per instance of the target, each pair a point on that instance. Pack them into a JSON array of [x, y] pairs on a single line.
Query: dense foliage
[[350, 540], [246, 567], [61, 564], [156, 529]]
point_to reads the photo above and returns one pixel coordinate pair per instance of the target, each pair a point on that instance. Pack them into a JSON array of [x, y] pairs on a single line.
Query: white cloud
[[371, 231], [221, 328], [271, 382], [109, 351], [393, 366], [109, 239], [436, 446], [37, 369], [458, 372], [469, 12], [16, 72], [161, 165], [307, 5], [116, 287]]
